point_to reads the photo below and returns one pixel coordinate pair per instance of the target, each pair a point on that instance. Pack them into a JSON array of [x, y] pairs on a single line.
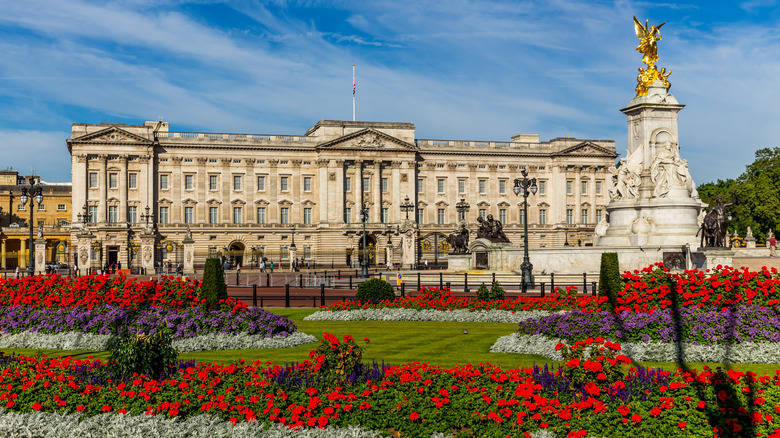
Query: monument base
[[652, 222]]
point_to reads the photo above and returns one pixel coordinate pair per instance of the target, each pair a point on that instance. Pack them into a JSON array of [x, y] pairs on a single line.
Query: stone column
[[358, 187], [103, 189], [226, 192], [3, 264], [146, 186], [396, 215], [147, 253], [22, 259], [201, 192], [273, 190], [189, 253], [296, 182], [122, 189], [376, 197], [40, 255], [176, 214], [336, 215], [80, 185], [408, 246], [250, 191], [323, 190]]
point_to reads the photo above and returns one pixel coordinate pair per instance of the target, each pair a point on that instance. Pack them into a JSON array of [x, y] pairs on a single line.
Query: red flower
[[37, 406], [682, 425], [701, 404], [636, 418], [414, 416]]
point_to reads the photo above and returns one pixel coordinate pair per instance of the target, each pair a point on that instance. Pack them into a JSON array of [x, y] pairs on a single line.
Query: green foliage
[[756, 192], [483, 293], [374, 291], [141, 353], [610, 281], [497, 292], [213, 288]]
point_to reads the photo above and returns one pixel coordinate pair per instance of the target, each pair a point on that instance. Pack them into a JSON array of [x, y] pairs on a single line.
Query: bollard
[[594, 291], [494, 278], [551, 290], [254, 295], [418, 281], [261, 301], [465, 282], [552, 282], [585, 282], [542, 283], [350, 281], [287, 295], [267, 280], [236, 278], [441, 283], [300, 280], [448, 285], [403, 289], [322, 294], [314, 301]]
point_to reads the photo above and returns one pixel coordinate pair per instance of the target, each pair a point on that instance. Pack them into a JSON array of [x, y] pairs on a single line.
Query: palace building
[[53, 216], [248, 196]]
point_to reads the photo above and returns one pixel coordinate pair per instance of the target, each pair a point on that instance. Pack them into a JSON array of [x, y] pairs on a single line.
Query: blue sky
[[470, 70]]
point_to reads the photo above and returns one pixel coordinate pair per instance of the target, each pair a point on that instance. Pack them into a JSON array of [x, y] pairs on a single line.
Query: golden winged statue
[[648, 46]]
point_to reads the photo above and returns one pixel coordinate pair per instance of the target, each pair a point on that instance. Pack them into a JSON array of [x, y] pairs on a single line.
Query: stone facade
[[240, 194], [54, 216]]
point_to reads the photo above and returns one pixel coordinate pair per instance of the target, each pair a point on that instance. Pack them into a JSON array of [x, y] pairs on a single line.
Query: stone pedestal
[[83, 250], [389, 254], [40, 255], [189, 253], [147, 253], [653, 199], [459, 262], [408, 245]]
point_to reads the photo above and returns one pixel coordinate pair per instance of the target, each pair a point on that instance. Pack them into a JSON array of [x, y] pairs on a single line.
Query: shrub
[[610, 283], [436, 294], [497, 292], [374, 291], [141, 353], [483, 293], [213, 288]]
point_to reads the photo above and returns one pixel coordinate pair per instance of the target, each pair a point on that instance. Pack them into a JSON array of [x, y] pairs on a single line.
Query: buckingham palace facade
[[249, 196]]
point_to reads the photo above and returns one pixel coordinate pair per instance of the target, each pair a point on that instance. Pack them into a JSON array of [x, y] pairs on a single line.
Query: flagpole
[[353, 92]]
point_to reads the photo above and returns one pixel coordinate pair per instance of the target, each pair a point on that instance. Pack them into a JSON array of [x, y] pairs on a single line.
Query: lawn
[[398, 342]]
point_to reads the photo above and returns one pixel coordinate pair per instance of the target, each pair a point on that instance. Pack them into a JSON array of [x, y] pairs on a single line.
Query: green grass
[[398, 342]]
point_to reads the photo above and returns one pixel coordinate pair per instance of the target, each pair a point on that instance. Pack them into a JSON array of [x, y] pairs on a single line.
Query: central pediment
[[368, 139], [587, 148], [113, 134]]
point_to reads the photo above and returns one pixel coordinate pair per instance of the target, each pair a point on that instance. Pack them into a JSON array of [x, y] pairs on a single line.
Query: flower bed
[[592, 394], [691, 324], [108, 319], [456, 315], [53, 291]]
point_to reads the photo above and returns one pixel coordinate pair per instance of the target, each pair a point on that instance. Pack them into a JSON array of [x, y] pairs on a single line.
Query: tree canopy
[[756, 192]]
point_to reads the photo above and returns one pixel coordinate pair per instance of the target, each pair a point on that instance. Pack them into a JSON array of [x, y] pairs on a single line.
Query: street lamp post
[[525, 185], [407, 206], [364, 262], [462, 207], [34, 193], [566, 240]]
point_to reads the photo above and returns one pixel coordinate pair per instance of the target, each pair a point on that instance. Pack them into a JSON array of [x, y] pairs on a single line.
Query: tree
[[213, 287], [757, 193]]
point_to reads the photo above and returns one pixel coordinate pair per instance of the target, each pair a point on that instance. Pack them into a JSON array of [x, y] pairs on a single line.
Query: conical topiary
[[213, 288]]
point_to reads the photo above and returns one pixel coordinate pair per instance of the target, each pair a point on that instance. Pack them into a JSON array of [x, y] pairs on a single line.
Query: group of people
[[112, 268]]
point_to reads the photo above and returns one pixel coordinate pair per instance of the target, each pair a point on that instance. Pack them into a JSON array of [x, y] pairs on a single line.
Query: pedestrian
[[272, 267], [16, 273], [119, 266], [426, 264], [389, 265], [772, 245], [238, 268], [308, 265], [262, 266]]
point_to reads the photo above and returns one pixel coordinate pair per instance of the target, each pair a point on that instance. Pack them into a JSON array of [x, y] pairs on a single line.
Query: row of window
[[503, 184], [42, 207], [284, 183], [284, 215]]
